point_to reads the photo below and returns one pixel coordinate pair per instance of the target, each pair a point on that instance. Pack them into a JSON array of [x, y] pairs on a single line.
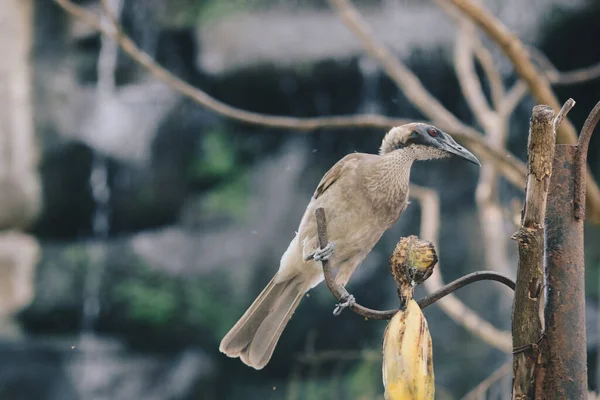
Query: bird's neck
[[388, 177]]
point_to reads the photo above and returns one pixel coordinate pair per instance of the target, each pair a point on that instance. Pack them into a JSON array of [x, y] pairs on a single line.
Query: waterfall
[[89, 377], [370, 86]]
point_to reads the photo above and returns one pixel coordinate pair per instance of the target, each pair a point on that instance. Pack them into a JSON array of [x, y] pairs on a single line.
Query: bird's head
[[425, 142]]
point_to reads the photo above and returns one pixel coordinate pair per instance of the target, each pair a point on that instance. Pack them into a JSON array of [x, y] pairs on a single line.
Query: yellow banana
[[407, 356]]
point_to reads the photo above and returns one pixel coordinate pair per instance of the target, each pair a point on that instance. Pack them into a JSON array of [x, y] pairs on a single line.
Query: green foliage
[[208, 304], [229, 198], [217, 158], [195, 308], [214, 10], [154, 305]]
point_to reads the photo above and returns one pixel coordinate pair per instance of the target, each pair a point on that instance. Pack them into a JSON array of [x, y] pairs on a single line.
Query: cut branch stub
[[527, 326], [542, 139]]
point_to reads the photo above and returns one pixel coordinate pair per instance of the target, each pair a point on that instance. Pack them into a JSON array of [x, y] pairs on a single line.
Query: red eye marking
[[433, 132]]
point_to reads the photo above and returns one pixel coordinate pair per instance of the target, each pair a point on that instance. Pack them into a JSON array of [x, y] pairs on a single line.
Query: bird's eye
[[433, 132], [414, 134]]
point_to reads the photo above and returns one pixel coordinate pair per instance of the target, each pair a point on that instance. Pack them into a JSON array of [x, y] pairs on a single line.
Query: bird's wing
[[347, 163]]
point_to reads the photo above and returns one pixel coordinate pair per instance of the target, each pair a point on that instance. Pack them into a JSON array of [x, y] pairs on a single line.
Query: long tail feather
[[254, 337]]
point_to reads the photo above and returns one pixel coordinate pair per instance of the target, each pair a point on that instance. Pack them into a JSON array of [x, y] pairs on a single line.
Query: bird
[[363, 195]]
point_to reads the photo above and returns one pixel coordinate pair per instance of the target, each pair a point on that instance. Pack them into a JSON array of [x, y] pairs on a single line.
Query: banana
[[407, 353], [407, 356]]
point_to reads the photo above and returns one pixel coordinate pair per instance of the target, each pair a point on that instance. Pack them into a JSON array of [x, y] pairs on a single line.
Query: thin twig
[[513, 97], [539, 86], [570, 103], [467, 77], [581, 159], [201, 97], [483, 55], [393, 67], [556, 77]]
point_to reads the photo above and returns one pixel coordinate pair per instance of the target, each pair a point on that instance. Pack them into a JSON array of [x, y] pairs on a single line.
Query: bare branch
[[201, 97], [496, 131], [394, 68], [556, 77], [457, 310], [467, 77], [483, 55], [513, 97], [527, 324], [480, 51], [512, 168], [539, 86]]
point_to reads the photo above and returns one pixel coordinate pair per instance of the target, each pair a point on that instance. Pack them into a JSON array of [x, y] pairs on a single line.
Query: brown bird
[[363, 195]]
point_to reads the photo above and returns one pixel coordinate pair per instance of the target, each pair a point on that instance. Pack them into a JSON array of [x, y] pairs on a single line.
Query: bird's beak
[[448, 144]]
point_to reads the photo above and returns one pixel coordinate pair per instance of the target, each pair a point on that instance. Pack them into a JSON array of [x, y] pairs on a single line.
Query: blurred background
[[137, 226]]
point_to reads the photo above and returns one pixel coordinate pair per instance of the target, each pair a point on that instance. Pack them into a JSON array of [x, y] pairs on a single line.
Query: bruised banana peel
[[407, 356]]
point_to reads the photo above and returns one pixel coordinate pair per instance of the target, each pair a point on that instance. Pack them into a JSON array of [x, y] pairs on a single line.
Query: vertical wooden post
[[526, 322], [564, 361]]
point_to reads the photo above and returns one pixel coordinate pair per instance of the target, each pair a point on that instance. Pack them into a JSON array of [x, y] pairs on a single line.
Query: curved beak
[[448, 144]]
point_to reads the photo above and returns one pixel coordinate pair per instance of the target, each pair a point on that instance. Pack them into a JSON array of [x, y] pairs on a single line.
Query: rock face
[[20, 191]]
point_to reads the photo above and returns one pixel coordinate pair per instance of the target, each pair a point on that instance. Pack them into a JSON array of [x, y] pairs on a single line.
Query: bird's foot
[[324, 254], [346, 301]]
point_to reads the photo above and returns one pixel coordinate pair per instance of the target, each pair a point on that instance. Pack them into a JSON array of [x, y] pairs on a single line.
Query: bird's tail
[[254, 336]]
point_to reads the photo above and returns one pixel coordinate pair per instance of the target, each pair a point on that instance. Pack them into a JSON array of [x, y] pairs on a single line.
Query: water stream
[[89, 380]]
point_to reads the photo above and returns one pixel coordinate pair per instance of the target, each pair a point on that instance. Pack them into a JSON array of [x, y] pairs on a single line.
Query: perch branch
[[329, 279], [539, 86], [527, 325], [451, 305], [464, 281], [581, 157], [338, 292], [511, 167]]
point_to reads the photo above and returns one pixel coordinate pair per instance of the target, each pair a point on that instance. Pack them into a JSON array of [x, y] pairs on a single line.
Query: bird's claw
[[324, 254], [345, 302]]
